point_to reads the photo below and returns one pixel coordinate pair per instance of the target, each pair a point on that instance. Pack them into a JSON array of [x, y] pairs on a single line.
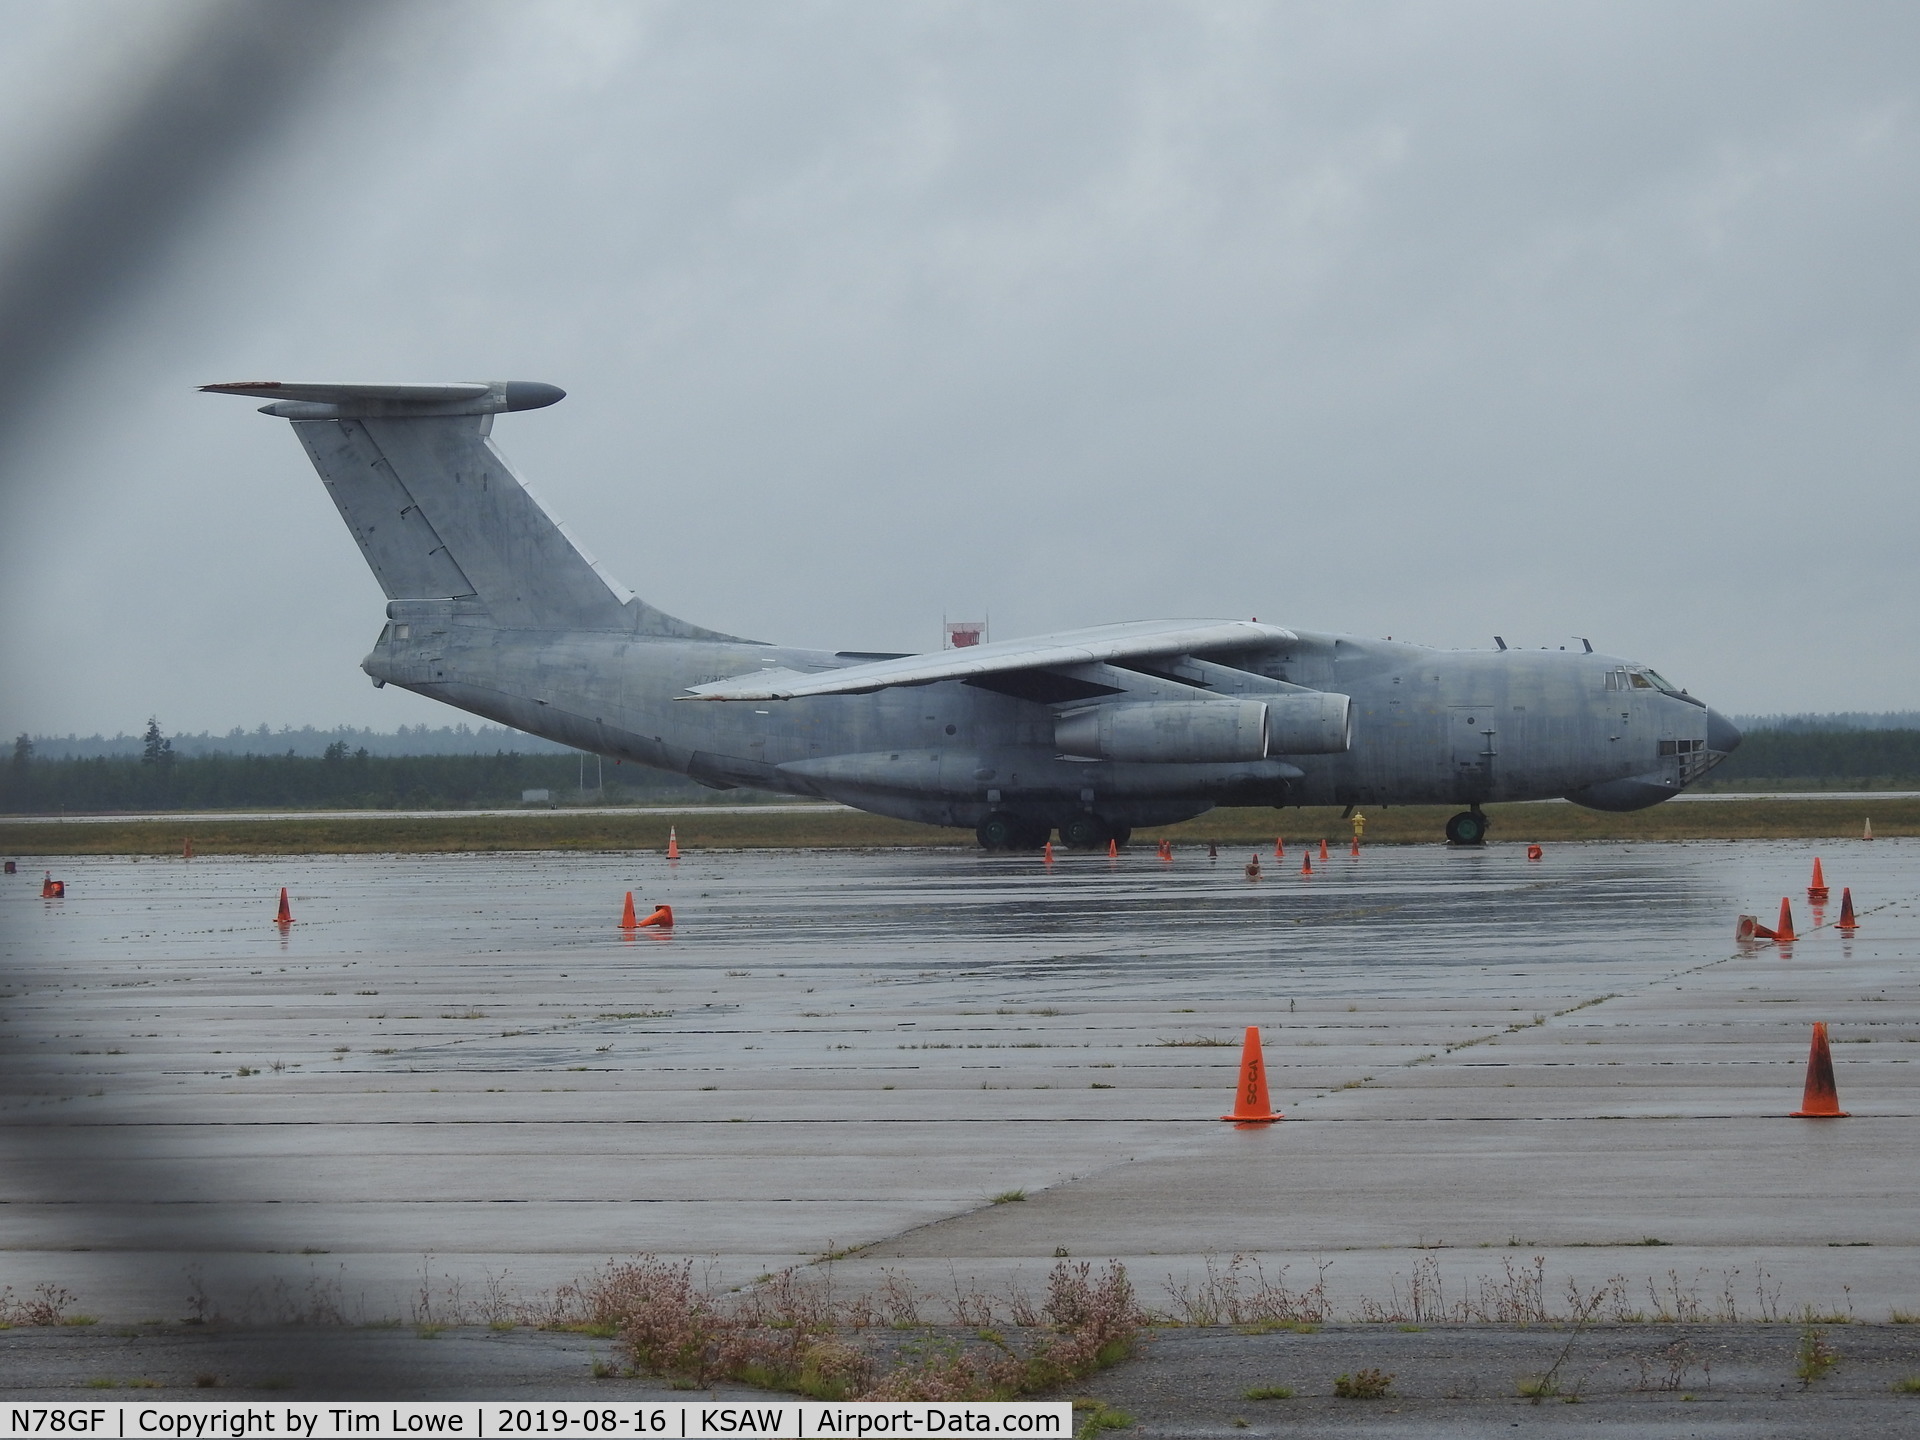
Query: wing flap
[[1071, 647]]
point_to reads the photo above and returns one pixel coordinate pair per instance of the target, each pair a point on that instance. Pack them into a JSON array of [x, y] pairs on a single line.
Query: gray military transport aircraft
[[494, 608]]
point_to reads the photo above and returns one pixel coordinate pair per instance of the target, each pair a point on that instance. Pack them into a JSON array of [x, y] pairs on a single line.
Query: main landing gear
[[1003, 830], [1469, 827]]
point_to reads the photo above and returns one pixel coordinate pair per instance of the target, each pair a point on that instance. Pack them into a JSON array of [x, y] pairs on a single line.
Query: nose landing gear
[[1469, 827]]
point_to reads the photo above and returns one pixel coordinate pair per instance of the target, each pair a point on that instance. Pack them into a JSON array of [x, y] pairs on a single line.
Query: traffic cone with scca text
[[1821, 1101], [1250, 1103]]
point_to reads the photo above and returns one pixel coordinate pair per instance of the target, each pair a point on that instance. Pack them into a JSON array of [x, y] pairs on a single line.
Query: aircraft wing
[[1134, 640]]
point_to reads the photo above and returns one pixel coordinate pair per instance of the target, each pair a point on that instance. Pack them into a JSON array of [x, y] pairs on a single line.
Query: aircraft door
[[1475, 729]]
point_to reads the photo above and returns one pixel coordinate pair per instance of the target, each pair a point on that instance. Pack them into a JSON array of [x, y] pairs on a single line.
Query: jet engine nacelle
[[1309, 723], [1189, 731]]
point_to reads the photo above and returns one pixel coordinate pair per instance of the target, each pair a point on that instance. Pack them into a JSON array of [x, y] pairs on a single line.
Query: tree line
[[339, 779], [343, 779], [1833, 757]]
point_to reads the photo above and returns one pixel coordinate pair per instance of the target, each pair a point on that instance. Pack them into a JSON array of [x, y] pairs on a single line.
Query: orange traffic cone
[[1783, 928], [285, 917], [1113, 849], [1748, 927], [1323, 848], [1280, 847], [1867, 833], [46, 885], [673, 843], [628, 920], [1534, 852], [1213, 851], [1250, 1103], [1846, 920], [1817, 891], [186, 848], [1306, 863], [1046, 851], [1821, 1101], [662, 916], [1253, 868], [1355, 849]]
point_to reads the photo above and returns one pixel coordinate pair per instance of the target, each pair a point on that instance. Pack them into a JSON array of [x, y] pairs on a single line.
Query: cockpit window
[[1661, 683], [1639, 681]]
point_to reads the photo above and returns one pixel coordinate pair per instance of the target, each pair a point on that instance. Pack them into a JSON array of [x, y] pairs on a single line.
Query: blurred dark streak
[[239, 77], [244, 75]]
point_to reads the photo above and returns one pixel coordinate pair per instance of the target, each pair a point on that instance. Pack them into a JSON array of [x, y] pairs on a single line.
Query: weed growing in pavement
[[1269, 1392], [49, 1304], [1897, 1316], [1368, 1384], [792, 1332], [1907, 1385], [1814, 1356], [1094, 1416], [1008, 1197]]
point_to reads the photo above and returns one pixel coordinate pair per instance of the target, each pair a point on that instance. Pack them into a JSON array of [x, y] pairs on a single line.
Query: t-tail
[[440, 515]]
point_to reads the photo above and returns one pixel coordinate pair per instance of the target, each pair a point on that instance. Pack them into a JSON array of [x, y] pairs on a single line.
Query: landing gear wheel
[[997, 831], [1082, 832], [1469, 827]]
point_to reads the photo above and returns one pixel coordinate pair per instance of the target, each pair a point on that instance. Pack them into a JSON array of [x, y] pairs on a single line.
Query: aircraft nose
[[1722, 734]]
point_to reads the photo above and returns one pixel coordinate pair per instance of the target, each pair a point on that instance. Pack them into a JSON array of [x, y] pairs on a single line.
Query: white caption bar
[[765, 1419]]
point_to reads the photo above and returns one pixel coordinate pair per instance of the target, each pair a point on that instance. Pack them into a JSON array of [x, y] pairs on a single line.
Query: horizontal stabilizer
[[1138, 639], [324, 400]]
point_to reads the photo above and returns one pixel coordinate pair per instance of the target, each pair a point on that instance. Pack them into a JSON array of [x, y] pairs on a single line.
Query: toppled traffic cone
[[1306, 863], [52, 889], [662, 917], [1817, 890], [1846, 920], [285, 917], [1323, 848], [1534, 852], [1783, 927], [1821, 1100], [1250, 1103], [673, 843], [1748, 927], [1867, 833], [629, 920], [1253, 868]]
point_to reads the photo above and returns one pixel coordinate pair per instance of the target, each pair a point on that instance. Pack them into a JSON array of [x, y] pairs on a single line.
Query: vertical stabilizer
[[438, 512]]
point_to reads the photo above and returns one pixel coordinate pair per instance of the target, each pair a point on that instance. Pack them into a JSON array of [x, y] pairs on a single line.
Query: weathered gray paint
[[494, 609]]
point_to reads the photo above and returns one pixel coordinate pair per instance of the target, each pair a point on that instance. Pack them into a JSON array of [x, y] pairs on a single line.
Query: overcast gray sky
[[1436, 321]]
